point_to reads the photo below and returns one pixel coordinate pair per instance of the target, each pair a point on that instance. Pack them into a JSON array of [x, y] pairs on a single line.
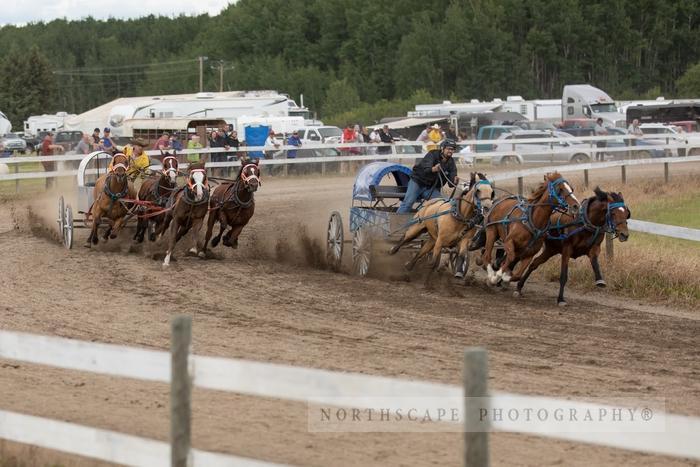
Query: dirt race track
[[272, 300]]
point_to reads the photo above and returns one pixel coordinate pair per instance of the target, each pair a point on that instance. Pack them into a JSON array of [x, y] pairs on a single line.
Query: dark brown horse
[[522, 225], [157, 190], [110, 189], [233, 205], [574, 236], [190, 205], [449, 221]]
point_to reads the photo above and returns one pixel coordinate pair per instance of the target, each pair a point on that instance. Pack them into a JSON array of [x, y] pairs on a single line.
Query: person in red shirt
[[49, 149]]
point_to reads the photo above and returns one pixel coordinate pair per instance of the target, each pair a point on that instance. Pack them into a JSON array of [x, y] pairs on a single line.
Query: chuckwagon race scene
[[321, 233]]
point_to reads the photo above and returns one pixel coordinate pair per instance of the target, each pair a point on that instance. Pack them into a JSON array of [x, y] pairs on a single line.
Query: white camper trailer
[[586, 101], [46, 122], [5, 125], [547, 110]]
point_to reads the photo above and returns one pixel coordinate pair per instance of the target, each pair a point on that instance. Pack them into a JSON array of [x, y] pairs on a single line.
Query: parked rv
[[5, 125]]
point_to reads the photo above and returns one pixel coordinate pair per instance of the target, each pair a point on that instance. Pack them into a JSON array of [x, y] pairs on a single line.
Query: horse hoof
[[601, 283], [517, 294], [394, 249], [562, 303], [165, 265], [459, 275], [202, 255], [479, 261], [234, 244], [193, 250], [214, 242], [226, 241], [152, 237], [88, 245]]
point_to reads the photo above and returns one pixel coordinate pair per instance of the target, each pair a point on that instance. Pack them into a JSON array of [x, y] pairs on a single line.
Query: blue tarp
[[372, 174], [256, 136]]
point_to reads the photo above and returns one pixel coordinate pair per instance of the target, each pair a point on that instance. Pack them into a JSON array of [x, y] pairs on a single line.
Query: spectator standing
[[107, 142], [162, 143], [49, 149], [83, 146], [600, 131], [95, 140], [385, 137], [450, 133], [175, 143], [273, 151], [194, 143], [634, 129], [423, 137], [293, 140], [434, 137]]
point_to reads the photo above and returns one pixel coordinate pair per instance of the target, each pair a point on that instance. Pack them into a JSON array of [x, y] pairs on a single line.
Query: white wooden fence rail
[[680, 438]]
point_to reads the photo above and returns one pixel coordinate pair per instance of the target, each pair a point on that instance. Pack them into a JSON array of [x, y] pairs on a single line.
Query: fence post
[[180, 391], [666, 172], [17, 179], [520, 186], [609, 250], [623, 174], [476, 431], [585, 178]]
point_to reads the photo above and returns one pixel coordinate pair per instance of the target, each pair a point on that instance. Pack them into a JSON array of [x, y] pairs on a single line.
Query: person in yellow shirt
[[138, 159], [435, 135]]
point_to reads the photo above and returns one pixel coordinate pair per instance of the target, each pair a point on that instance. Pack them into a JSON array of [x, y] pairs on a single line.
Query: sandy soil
[[272, 300]]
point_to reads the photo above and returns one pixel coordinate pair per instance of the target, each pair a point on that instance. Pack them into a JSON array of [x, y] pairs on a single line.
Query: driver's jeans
[[414, 192]]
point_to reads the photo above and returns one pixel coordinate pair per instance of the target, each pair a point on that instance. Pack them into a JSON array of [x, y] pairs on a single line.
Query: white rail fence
[[679, 437]]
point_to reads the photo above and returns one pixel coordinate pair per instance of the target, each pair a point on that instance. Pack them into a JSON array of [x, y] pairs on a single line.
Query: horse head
[[170, 165], [561, 194], [119, 166], [616, 214], [250, 174], [483, 193], [197, 183]]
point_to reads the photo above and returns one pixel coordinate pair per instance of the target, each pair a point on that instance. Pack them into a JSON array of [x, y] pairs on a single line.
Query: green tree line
[[355, 60]]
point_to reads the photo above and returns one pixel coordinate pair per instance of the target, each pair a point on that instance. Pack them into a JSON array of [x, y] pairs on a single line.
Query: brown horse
[[574, 236], [189, 205], [110, 189], [449, 222], [233, 204], [522, 225], [157, 190]]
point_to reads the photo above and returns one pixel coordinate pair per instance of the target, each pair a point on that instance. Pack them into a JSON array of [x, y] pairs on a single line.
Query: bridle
[[172, 168], [553, 191], [254, 176], [610, 224], [477, 200]]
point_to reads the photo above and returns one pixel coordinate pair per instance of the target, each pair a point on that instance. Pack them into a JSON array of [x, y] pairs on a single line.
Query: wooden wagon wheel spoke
[[361, 251], [68, 228], [61, 217]]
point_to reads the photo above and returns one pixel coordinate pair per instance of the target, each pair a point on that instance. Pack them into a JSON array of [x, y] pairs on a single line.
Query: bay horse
[[449, 222], [157, 190], [233, 204], [522, 225], [109, 191], [187, 208], [574, 236]]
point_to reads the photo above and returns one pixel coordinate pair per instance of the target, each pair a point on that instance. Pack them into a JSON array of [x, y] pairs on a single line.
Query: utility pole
[[221, 76], [201, 72]]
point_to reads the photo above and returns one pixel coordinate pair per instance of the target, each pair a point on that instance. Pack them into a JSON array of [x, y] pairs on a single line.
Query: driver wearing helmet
[[430, 174]]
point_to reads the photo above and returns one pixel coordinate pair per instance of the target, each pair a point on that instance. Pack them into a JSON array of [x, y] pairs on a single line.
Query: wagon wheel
[[361, 251], [335, 238], [68, 228], [61, 217]]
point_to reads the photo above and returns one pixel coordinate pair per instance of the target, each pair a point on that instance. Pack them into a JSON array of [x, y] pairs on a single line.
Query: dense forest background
[[359, 60]]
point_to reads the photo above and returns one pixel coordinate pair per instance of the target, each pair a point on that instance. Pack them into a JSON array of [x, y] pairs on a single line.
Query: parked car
[[541, 151], [492, 132], [34, 142], [12, 142], [647, 148], [688, 126], [666, 134], [68, 139], [320, 134], [535, 125]]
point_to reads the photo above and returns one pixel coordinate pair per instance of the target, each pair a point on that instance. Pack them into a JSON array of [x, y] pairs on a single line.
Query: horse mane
[[196, 165], [539, 191], [617, 197]]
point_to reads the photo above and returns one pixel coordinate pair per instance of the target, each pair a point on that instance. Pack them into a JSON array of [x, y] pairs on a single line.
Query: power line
[[124, 82], [131, 73], [114, 67]]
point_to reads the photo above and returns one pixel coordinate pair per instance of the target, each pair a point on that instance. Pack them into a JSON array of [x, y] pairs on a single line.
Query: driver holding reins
[[430, 174]]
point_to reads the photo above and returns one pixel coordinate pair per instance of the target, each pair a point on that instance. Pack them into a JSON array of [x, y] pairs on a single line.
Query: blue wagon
[[378, 190]]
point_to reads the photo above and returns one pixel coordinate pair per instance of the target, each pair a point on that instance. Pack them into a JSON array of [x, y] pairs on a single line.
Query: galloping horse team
[[551, 217], [165, 209], [551, 221]]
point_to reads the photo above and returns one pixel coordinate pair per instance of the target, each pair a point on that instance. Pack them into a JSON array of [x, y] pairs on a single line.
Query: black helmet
[[448, 143]]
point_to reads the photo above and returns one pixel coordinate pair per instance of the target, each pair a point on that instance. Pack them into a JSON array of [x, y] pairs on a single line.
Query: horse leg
[[462, 261], [118, 224], [223, 225], [593, 256], [563, 275], [504, 271], [425, 248], [486, 255], [140, 229], [92, 238], [197, 246], [174, 227], [211, 220], [412, 233], [537, 262], [231, 238]]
